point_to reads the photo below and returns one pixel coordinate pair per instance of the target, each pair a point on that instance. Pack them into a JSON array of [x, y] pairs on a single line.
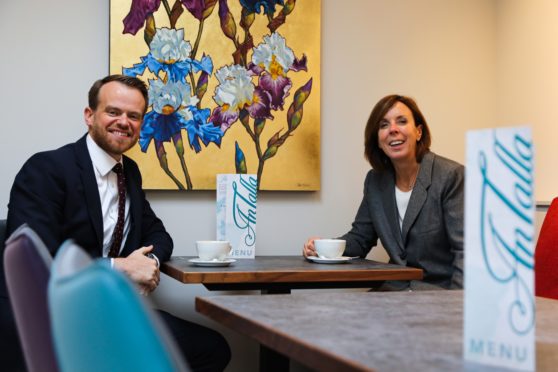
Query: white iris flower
[[168, 45], [273, 49], [235, 87], [170, 97]]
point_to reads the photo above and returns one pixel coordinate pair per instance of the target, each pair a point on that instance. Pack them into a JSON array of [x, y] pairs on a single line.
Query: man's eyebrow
[[111, 108]]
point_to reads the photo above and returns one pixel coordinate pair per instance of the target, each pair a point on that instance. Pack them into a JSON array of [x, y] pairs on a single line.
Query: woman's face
[[398, 135]]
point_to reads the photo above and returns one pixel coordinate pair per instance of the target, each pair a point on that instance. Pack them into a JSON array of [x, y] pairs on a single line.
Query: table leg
[[272, 361]]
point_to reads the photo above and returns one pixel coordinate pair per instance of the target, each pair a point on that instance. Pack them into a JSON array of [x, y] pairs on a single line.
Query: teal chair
[[101, 323]]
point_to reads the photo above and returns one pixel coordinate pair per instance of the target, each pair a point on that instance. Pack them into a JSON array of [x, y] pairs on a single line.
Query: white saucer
[[211, 263], [324, 260]]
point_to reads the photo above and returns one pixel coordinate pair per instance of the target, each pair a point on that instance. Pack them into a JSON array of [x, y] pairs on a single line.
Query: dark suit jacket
[[432, 236], [56, 194]]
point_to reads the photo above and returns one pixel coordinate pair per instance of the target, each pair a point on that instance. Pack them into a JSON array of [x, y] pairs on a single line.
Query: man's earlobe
[[88, 115]]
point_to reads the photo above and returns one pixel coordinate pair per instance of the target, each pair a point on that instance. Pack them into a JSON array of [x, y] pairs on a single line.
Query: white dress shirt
[[108, 193], [402, 199]]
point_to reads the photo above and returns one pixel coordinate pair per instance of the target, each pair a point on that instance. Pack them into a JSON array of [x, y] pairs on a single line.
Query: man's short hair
[[129, 81]]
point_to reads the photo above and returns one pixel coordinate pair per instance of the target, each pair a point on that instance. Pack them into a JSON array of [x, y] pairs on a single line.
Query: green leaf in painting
[[176, 12], [149, 30]]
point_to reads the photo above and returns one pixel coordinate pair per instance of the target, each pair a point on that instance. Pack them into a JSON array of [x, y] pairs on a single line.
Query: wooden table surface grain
[[287, 269]]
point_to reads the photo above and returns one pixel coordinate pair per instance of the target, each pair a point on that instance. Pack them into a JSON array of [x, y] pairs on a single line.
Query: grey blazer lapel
[[420, 192], [390, 206]]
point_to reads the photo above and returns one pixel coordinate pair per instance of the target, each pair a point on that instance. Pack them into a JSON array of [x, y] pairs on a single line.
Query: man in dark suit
[[76, 192]]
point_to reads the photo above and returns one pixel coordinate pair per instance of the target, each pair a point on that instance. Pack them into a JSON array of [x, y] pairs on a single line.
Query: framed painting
[[234, 87]]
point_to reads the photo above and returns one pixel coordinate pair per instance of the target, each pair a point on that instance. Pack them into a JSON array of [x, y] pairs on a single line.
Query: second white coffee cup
[[329, 248], [209, 250]]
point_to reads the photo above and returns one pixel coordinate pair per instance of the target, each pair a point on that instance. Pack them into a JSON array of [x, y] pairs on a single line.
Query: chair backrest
[[2, 232], [27, 264], [546, 255], [101, 323]]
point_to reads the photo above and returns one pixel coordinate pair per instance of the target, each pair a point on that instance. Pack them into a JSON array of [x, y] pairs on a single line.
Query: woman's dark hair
[[372, 151], [129, 81]]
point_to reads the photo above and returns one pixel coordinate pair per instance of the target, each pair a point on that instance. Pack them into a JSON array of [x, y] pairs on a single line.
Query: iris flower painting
[[233, 88]]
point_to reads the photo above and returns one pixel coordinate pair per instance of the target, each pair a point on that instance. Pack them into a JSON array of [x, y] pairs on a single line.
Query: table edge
[[290, 276]]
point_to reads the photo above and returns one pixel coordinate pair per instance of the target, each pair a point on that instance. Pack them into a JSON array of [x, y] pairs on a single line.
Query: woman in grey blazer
[[413, 199]]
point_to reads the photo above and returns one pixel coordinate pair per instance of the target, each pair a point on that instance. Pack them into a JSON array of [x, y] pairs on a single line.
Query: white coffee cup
[[329, 248], [209, 250]]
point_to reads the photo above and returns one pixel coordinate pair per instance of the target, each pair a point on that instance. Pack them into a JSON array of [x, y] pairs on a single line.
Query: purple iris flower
[[278, 88], [271, 61], [223, 117], [259, 108], [139, 11], [197, 7]]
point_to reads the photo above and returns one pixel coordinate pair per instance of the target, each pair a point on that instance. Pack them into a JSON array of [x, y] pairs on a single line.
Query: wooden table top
[[287, 269], [361, 331]]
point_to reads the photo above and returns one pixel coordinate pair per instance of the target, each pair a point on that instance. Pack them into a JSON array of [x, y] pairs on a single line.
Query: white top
[[402, 200], [108, 192]]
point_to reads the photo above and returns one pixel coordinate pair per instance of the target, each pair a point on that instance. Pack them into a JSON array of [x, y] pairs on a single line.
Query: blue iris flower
[[163, 127], [160, 127], [239, 154], [239, 159], [176, 71], [254, 6], [199, 129]]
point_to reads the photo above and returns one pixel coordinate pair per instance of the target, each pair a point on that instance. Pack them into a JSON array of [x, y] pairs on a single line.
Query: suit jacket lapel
[[132, 241], [90, 188], [390, 206], [420, 192]]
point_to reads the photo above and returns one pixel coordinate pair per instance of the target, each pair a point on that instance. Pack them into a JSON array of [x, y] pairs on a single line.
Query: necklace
[[412, 183]]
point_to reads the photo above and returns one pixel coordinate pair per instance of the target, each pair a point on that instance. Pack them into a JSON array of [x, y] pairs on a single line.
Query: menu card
[[236, 212], [499, 313]]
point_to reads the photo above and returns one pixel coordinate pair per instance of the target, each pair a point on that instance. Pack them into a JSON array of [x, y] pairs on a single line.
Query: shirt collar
[[102, 161]]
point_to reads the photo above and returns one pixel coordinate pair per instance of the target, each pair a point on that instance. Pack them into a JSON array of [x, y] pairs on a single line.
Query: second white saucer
[[211, 263]]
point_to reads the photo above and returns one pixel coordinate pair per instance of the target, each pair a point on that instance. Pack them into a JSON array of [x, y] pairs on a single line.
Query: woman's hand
[[309, 249]]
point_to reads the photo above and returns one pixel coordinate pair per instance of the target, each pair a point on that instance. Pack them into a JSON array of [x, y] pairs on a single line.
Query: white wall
[[527, 80], [441, 52], [434, 50]]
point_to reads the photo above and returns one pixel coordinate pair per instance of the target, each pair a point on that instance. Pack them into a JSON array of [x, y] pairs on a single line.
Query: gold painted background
[[296, 166]]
